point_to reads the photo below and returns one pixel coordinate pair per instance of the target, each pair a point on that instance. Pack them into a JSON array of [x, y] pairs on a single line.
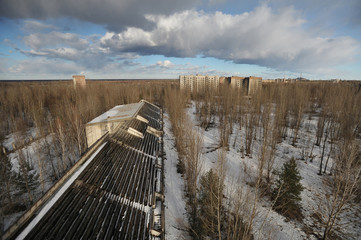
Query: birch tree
[[346, 179]]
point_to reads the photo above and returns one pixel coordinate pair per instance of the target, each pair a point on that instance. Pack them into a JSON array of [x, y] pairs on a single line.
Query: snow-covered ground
[[175, 213], [268, 224]]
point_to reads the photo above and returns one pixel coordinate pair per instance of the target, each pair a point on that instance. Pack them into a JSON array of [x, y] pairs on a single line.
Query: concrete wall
[[97, 130], [249, 84], [255, 83], [79, 80], [237, 82], [93, 133]]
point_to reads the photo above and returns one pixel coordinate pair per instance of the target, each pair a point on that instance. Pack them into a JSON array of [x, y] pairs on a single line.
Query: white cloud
[[44, 66], [83, 50], [132, 38], [165, 63], [36, 26], [275, 39], [262, 37], [53, 39], [63, 53]]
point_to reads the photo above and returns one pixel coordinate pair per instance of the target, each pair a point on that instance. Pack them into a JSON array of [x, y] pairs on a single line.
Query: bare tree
[[332, 132], [211, 210], [24, 173], [78, 129], [281, 118], [321, 123], [221, 172], [250, 121], [237, 207], [300, 102], [193, 167], [5, 174], [61, 137], [41, 166], [343, 186]]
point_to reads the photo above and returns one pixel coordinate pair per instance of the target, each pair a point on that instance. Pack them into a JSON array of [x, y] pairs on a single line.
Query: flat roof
[[118, 113]]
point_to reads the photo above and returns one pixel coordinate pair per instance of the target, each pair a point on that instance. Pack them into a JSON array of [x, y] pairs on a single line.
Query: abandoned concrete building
[[79, 81], [114, 191], [200, 82], [249, 84]]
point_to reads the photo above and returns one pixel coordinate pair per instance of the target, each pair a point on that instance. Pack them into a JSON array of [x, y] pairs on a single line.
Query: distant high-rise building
[[254, 84], [79, 80], [237, 81], [198, 82], [222, 80], [248, 84], [201, 82]]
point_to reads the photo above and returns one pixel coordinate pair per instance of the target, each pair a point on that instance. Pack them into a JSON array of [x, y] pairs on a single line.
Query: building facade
[[79, 80], [237, 81], [201, 82], [249, 84], [198, 82], [254, 84]]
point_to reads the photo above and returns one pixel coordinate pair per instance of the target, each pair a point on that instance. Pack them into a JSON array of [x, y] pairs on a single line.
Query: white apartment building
[[198, 82]]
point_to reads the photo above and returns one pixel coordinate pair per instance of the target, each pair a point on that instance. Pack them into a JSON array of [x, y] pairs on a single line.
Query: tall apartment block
[[248, 84], [198, 82]]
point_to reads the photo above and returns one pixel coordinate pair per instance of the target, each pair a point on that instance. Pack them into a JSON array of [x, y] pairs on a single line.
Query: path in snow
[[175, 213]]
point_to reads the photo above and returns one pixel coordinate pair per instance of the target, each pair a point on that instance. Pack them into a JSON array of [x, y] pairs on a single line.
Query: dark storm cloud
[[114, 14]]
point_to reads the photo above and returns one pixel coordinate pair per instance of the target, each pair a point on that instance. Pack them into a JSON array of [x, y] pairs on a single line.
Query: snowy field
[[268, 224]]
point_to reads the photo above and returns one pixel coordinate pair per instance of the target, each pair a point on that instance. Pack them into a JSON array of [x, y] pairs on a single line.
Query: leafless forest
[[272, 116], [53, 115]]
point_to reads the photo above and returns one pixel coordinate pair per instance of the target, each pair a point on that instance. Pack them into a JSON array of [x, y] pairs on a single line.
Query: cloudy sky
[[54, 39]]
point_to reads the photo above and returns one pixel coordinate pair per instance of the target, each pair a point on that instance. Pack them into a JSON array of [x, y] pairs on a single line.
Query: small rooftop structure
[[79, 80], [110, 120], [117, 113]]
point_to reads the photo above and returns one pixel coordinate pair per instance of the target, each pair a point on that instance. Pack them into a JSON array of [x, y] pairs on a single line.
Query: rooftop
[[117, 113], [113, 193]]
